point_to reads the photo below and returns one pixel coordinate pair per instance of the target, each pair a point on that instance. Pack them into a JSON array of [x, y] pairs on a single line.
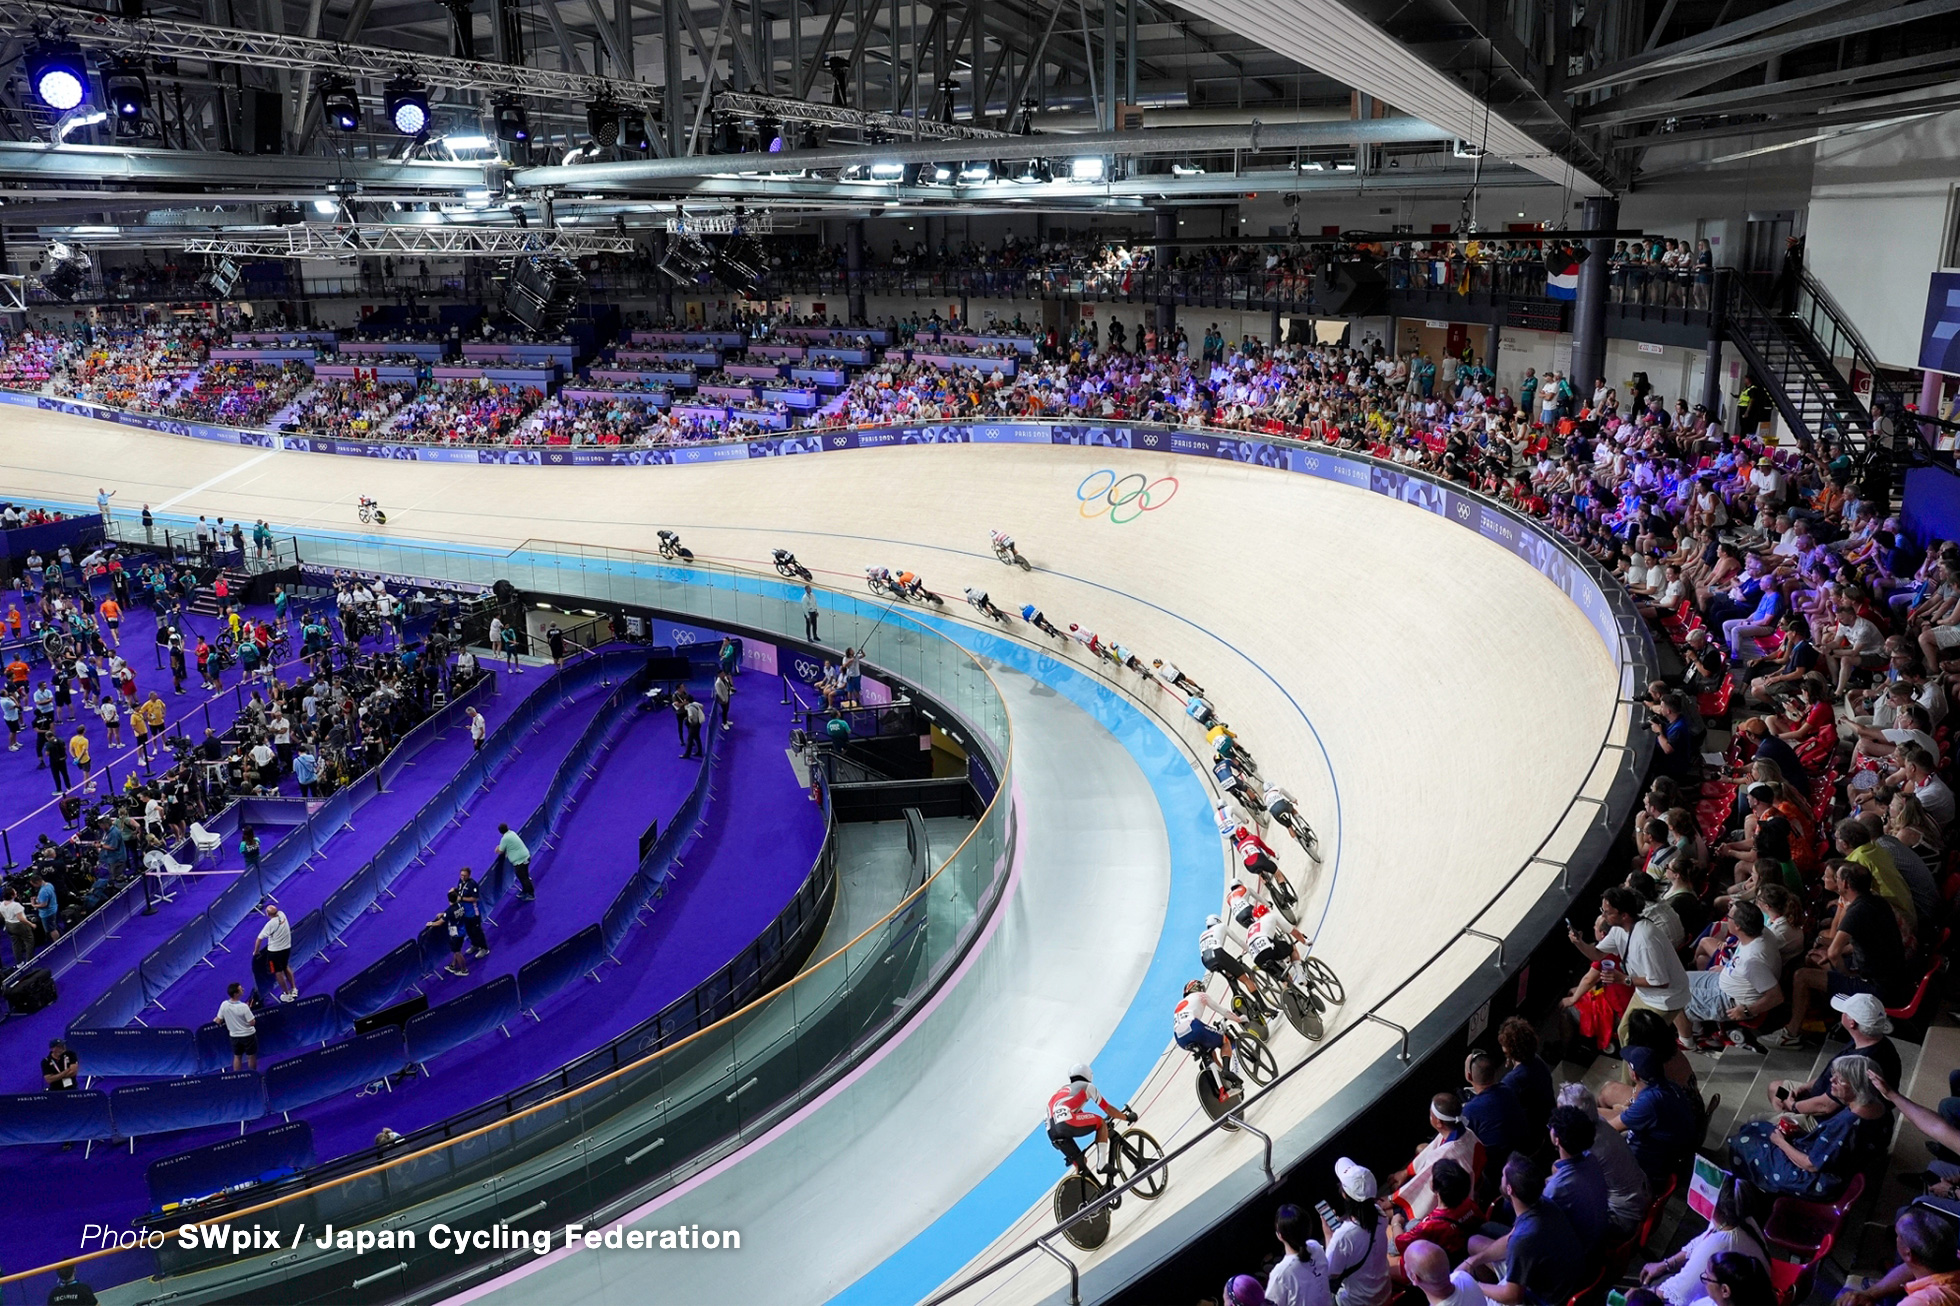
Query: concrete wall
[[1878, 212]]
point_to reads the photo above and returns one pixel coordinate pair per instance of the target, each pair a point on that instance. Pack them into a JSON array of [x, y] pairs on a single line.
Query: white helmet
[[1213, 919], [1080, 1070]]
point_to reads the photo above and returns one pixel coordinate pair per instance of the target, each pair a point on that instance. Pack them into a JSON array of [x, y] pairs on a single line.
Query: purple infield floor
[[761, 835]]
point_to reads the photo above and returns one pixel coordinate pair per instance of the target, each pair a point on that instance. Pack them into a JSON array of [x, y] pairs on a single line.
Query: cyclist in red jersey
[[1072, 1115]]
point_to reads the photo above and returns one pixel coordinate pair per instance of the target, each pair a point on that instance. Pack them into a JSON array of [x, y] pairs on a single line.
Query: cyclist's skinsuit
[[1003, 541], [1258, 856], [1070, 1118], [1279, 802], [1189, 1024], [1271, 942], [1212, 951], [978, 598], [1031, 614]]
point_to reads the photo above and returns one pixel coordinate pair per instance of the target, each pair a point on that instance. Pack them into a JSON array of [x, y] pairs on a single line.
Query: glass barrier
[[601, 1150]]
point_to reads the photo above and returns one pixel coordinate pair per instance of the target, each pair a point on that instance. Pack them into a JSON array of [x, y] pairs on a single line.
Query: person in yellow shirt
[[152, 709], [78, 751], [1854, 844]]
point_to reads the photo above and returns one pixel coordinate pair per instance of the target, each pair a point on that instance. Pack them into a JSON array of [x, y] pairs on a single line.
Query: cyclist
[[1241, 903], [1271, 941], [984, 605], [1131, 661], [1226, 771], [1170, 675], [1070, 1116], [1036, 618], [1281, 805], [1213, 952], [879, 578], [1200, 1024], [1004, 543], [1255, 853], [1224, 743], [785, 560], [909, 582], [668, 541]]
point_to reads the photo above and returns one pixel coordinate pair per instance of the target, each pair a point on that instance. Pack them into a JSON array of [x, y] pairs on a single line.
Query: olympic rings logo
[[1110, 497]]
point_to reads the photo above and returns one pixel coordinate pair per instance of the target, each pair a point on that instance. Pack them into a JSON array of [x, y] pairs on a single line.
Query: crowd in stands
[[313, 717], [133, 368], [463, 412], [240, 394], [31, 359], [358, 407]]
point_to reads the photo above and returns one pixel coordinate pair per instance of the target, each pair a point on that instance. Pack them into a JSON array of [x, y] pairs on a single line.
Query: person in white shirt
[[242, 1025], [1747, 981], [1660, 981], [1357, 1240], [477, 730], [276, 942], [1451, 1140], [1428, 1268], [1300, 1278]]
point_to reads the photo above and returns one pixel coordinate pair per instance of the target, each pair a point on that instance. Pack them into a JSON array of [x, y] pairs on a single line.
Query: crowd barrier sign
[[266, 1153], [311, 1077], [227, 1098]]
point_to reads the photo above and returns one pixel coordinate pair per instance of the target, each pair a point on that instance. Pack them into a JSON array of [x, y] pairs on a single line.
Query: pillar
[[1272, 331], [1589, 313], [1493, 339], [664, 298], [1711, 372], [1166, 220], [672, 103], [1929, 392], [854, 271]]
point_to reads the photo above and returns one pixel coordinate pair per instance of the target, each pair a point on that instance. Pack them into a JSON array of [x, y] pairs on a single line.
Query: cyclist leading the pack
[[1200, 1023], [1281, 804], [1003, 542], [1072, 1114]]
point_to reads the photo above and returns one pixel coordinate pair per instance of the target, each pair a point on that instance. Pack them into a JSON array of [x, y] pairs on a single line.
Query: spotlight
[[63, 268], [1034, 172], [340, 104], [887, 172], [939, 174], [602, 122], [407, 101], [127, 88], [1086, 169], [728, 136], [976, 170], [633, 133], [949, 90], [58, 74], [325, 207], [513, 124], [840, 84]]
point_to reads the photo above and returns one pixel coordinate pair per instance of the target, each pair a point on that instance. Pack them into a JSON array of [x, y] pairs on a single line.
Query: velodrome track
[[1431, 698]]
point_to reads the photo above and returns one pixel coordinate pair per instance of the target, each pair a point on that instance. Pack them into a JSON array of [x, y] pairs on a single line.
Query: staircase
[[1794, 347], [205, 601]]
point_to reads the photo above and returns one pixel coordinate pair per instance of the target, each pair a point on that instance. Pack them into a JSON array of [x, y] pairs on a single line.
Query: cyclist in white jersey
[[1270, 940], [1071, 1115], [1214, 951], [1200, 1023]]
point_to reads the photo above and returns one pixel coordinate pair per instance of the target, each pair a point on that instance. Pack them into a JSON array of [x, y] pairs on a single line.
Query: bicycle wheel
[[1301, 1015], [1269, 988], [1024, 564], [1074, 1192], [1309, 841], [1136, 1151], [1255, 1019], [1325, 980], [1255, 1059], [1215, 1102]]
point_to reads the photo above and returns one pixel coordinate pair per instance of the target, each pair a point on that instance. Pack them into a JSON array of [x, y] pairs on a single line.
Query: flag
[[1704, 1186], [1562, 277]]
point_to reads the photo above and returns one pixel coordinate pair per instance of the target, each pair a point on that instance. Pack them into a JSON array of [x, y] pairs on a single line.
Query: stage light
[[1034, 172], [475, 141], [940, 173], [976, 170], [1086, 169], [633, 133], [407, 101], [1186, 170], [602, 122], [340, 104], [887, 172], [76, 119], [326, 208], [58, 74], [513, 124], [128, 90]]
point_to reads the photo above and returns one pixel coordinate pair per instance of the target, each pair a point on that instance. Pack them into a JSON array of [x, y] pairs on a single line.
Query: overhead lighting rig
[[454, 240], [896, 126]]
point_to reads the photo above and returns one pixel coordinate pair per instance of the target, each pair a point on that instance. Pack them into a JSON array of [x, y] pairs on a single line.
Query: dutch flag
[[1562, 277]]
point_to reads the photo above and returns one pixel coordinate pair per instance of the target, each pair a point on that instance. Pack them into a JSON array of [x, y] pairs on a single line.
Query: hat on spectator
[[1357, 1181], [1646, 1064], [1765, 792], [1866, 1011], [1244, 1290]]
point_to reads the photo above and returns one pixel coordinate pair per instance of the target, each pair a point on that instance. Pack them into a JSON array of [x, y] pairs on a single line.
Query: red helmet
[[1260, 910]]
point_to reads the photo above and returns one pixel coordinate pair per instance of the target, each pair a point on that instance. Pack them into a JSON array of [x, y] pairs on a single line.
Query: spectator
[[1577, 1184], [1744, 985], [1626, 1183], [1300, 1278], [1928, 1272], [60, 1069], [1817, 1164], [275, 940], [1429, 1272], [1357, 1240], [68, 1290], [1450, 1140], [1862, 955], [1525, 1072], [1662, 1122], [1732, 1229], [241, 1025], [1495, 1115], [511, 848], [1539, 1253], [1452, 1216], [469, 898], [20, 930]]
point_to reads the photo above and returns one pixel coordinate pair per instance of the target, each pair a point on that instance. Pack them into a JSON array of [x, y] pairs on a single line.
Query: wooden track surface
[[1450, 696]]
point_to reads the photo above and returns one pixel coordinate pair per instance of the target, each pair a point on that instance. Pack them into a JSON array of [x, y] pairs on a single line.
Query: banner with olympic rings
[[1121, 499]]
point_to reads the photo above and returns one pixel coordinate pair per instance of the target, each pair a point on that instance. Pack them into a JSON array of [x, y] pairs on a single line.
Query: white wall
[[1878, 210]]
